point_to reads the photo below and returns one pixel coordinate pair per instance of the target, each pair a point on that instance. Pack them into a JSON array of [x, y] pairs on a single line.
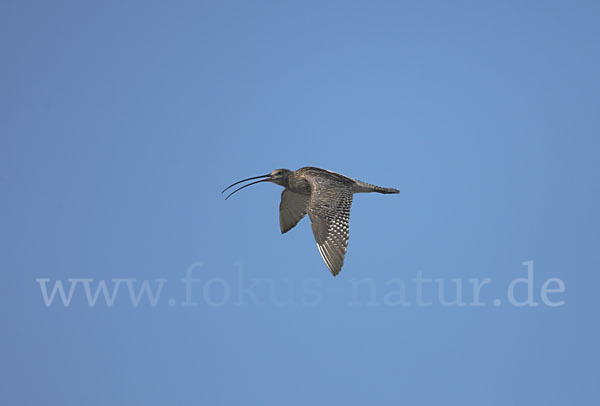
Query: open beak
[[268, 178]]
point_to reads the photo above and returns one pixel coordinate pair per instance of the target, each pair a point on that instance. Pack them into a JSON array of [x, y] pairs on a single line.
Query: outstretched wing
[[291, 209], [329, 212]]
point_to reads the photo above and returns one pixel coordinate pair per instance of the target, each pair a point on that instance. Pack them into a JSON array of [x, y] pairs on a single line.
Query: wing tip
[[335, 271]]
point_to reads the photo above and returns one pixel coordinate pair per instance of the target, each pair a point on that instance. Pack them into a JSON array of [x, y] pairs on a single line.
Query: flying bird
[[326, 196]]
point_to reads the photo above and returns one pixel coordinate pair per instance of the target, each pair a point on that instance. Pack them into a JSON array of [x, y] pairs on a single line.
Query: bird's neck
[[300, 186]]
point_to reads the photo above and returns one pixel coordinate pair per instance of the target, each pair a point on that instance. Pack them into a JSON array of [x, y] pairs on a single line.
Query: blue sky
[[122, 122]]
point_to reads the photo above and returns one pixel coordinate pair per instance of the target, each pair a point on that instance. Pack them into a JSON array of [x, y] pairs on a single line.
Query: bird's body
[[326, 196]]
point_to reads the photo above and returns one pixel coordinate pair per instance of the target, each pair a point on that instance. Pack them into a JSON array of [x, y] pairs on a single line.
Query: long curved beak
[[268, 178]]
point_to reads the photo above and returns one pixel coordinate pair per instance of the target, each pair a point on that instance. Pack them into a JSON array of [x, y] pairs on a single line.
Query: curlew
[[326, 196]]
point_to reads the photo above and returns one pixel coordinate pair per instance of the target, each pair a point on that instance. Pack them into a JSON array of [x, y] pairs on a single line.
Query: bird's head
[[278, 176]]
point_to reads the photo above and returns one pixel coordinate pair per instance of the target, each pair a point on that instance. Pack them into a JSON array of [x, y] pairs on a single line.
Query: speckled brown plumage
[[326, 196]]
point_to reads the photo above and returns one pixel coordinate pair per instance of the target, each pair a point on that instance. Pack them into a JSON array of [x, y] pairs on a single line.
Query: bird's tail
[[386, 190], [364, 187]]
